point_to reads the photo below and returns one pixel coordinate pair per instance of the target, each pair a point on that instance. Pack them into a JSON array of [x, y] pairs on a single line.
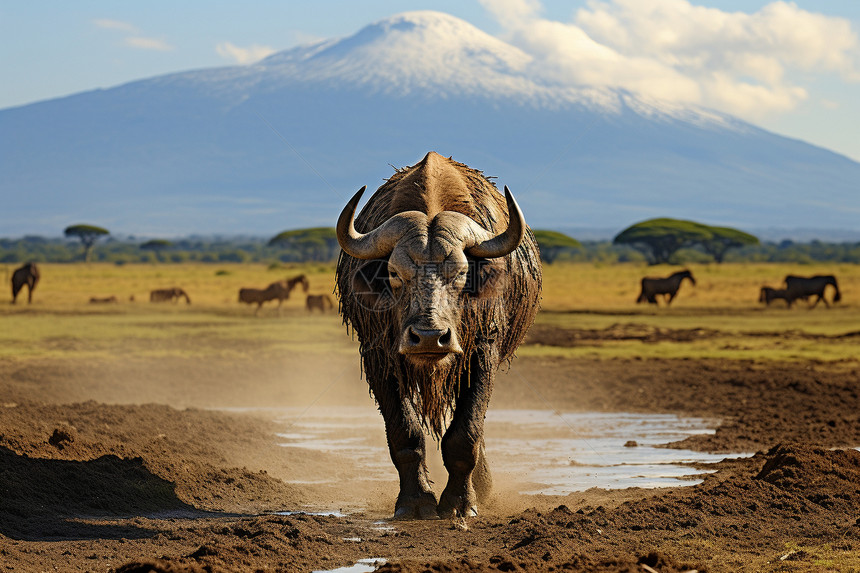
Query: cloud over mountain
[[674, 50]]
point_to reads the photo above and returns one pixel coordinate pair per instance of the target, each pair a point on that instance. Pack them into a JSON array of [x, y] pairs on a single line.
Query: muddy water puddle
[[544, 452]]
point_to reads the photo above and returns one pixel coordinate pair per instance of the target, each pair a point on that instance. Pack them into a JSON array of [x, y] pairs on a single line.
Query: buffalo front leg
[[406, 447], [463, 445]]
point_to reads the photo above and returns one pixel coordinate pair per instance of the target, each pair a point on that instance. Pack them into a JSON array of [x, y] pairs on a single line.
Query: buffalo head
[[420, 267]]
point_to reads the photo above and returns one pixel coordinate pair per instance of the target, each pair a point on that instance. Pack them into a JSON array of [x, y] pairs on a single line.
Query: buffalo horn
[[505, 243], [379, 242]]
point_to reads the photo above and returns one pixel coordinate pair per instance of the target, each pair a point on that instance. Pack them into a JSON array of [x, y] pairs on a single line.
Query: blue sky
[[791, 67]]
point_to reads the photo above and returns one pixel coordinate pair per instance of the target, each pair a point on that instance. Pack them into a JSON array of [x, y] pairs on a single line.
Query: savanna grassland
[[124, 446], [720, 317]]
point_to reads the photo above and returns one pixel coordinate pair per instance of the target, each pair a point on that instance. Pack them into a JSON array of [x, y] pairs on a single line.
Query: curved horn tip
[[509, 197], [357, 197], [509, 239], [514, 211], [346, 234]]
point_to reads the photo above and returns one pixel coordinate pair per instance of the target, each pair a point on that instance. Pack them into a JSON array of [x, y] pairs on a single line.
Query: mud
[[102, 485]]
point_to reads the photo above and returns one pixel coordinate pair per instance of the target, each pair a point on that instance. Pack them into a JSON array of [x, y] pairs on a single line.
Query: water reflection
[[552, 453]]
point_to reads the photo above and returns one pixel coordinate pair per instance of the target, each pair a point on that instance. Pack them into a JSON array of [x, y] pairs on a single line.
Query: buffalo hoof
[[421, 508], [451, 506]]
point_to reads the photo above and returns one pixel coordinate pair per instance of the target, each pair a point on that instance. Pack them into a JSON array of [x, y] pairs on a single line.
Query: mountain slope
[[283, 143]]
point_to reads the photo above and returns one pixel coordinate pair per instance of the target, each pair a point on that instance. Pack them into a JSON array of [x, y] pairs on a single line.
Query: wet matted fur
[[491, 325]]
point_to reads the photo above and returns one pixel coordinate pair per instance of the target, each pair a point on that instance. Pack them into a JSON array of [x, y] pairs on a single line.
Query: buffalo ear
[[487, 278], [370, 285]]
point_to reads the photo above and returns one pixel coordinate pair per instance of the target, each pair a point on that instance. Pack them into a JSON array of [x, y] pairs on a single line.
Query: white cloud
[[243, 55], [148, 43], [133, 37], [673, 50], [108, 24]]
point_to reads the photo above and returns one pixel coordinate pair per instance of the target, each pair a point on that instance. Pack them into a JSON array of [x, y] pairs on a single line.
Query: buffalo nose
[[420, 340]]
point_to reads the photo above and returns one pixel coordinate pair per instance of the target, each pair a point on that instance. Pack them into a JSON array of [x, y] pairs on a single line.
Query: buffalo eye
[[460, 276], [394, 279]]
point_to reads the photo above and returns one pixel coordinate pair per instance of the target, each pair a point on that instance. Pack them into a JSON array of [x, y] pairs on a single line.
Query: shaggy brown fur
[[490, 326]]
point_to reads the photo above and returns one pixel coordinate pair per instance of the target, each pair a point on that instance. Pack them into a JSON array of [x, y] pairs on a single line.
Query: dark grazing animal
[[278, 290], [319, 301], [168, 294], [26, 274], [668, 287], [299, 280], [768, 295], [440, 282], [103, 300], [250, 295], [805, 287]]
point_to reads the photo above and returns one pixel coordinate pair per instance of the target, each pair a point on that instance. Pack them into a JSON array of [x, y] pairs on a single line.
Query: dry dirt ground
[[93, 481]]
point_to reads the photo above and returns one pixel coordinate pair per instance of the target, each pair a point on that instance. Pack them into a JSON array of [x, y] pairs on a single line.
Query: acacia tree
[[659, 239], [725, 238], [316, 244], [552, 244], [156, 246], [88, 235]]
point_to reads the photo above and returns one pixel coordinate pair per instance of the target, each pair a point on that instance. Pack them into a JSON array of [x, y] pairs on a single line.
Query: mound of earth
[[108, 487]]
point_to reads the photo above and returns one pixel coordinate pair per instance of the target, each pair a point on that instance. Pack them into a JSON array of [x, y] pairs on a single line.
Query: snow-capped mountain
[[284, 142]]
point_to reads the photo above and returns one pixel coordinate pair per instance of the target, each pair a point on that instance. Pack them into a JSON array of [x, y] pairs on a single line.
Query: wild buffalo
[[768, 295], [440, 282], [805, 287], [668, 286], [27, 274], [318, 301], [169, 294]]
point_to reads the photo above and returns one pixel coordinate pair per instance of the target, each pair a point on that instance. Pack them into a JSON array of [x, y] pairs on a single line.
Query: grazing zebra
[[769, 295], [320, 301], [27, 274], [805, 287], [168, 294], [651, 287]]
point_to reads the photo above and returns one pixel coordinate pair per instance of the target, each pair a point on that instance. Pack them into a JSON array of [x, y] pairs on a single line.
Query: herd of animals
[[28, 275], [796, 288]]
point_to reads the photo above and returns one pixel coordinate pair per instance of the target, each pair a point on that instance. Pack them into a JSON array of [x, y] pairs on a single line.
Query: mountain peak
[[421, 52], [432, 55]]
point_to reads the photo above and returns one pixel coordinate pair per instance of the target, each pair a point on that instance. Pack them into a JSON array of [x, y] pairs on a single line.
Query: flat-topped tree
[[88, 235], [659, 239], [314, 244], [725, 238], [156, 246], [553, 243]]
